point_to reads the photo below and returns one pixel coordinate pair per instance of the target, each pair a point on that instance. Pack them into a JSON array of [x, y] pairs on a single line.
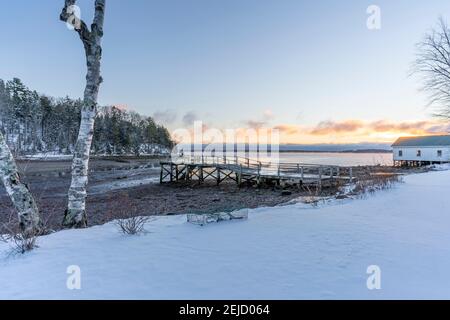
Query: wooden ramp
[[245, 170]]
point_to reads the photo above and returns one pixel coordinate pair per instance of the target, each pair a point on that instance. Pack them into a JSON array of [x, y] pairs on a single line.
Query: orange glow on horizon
[[327, 132]]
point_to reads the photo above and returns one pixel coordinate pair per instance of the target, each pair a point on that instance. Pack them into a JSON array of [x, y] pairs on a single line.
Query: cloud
[[262, 122], [165, 116], [189, 118], [252, 124], [288, 129], [381, 126], [410, 127], [329, 132], [330, 127], [441, 128], [268, 115]]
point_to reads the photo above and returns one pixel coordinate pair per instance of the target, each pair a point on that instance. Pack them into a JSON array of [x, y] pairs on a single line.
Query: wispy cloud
[[288, 129], [167, 117], [262, 121], [255, 124], [332, 132], [410, 127], [189, 118], [268, 115], [380, 126], [330, 127]]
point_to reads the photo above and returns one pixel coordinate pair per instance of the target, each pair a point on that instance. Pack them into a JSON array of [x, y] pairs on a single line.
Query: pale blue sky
[[229, 61]]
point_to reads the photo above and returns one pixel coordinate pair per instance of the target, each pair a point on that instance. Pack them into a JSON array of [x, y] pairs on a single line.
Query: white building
[[421, 150]]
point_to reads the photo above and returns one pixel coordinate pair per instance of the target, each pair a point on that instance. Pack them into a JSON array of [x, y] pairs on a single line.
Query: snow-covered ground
[[289, 252], [50, 156]]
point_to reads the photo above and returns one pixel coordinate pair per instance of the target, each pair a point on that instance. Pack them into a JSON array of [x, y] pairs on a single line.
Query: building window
[[400, 153], [439, 153], [419, 153]]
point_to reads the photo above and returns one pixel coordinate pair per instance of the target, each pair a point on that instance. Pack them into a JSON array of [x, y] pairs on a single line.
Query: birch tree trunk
[[21, 197], [75, 215]]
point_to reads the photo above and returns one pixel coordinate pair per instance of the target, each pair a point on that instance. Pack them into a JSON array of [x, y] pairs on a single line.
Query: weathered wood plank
[[254, 172]]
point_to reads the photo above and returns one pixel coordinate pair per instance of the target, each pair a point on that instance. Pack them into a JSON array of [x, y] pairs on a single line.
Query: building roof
[[424, 141]]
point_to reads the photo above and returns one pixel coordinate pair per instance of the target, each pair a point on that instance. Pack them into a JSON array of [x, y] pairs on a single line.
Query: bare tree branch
[[99, 17], [433, 65], [79, 25]]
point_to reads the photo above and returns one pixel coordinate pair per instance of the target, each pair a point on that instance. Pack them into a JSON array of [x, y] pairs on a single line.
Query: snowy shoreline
[[69, 157], [286, 252]]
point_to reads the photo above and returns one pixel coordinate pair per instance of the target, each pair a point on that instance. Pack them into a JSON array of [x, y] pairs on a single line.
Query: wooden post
[[188, 173], [161, 174], [218, 175], [320, 178], [240, 176], [258, 179], [351, 175], [248, 163], [183, 169]]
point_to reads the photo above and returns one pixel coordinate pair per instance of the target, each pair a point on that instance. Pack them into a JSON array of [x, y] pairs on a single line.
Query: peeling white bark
[[20, 195], [75, 216]]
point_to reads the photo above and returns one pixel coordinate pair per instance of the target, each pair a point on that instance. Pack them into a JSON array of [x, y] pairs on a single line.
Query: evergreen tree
[[34, 123]]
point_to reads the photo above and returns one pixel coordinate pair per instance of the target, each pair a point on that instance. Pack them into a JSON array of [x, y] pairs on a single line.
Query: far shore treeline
[[34, 123]]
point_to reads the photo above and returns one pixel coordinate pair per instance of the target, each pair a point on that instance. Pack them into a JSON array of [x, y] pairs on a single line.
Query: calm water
[[324, 158], [339, 159]]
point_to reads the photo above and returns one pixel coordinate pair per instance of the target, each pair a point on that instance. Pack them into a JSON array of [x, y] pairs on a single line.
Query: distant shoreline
[[65, 157], [293, 148]]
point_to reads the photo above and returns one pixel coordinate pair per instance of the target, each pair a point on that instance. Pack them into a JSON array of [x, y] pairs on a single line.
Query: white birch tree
[[75, 215], [21, 197]]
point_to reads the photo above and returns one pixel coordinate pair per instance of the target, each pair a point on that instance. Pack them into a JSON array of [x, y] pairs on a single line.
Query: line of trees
[[30, 122], [34, 123]]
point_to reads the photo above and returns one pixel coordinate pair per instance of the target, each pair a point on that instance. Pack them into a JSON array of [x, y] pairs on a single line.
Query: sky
[[311, 69]]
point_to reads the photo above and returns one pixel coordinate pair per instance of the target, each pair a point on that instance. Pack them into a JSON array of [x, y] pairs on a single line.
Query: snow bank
[[289, 252], [440, 167], [50, 156]]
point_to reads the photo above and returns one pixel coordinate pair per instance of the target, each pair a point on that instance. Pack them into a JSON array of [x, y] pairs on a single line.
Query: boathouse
[[423, 150]]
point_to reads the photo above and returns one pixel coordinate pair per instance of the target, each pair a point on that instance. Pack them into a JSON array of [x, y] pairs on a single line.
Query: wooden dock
[[245, 170]]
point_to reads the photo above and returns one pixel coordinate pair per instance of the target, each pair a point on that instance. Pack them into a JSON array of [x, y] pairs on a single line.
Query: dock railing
[[275, 168]]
